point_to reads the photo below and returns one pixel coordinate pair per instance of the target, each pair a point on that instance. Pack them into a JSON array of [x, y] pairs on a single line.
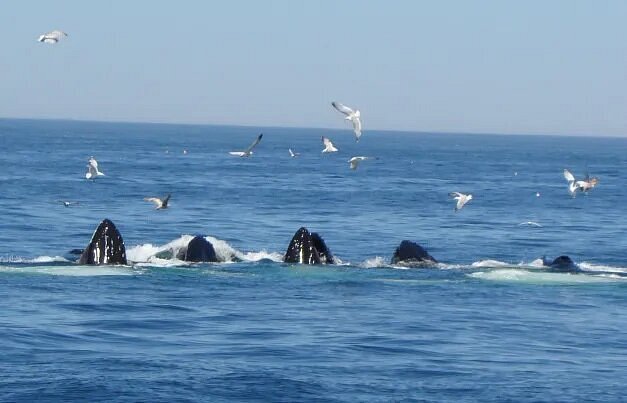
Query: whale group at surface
[[107, 247]]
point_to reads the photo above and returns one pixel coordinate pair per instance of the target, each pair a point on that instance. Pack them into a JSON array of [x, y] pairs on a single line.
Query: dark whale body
[[198, 250], [411, 254], [308, 248], [562, 264], [106, 246]]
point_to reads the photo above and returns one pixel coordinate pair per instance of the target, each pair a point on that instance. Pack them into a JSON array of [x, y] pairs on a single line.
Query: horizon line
[[443, 132]]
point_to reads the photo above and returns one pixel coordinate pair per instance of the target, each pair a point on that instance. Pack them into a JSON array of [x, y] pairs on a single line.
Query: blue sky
[[554, 67]]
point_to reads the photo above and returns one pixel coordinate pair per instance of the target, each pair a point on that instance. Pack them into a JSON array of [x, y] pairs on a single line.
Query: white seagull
[[52, 37], [352, 115], [249, 150], [461, 199], [292, 153], [328, 145], [159, 203], [583, 185], [92, 169], [356, 160]]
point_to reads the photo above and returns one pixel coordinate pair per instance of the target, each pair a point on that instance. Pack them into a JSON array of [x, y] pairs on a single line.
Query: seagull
[[52, 37], [583, 185], [461, 199], [531, 224], [160, 203], [352, 115], [356, 160], [92, 169], [292, 153], [68, 203], [249, 150], [328, 145]]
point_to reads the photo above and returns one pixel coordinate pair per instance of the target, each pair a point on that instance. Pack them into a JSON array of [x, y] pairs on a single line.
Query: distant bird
[[461, 199], [531, 224], [52, 37], [292, 153], [328, 145], [356, 160], [92, 169], [184, 152], [159, 203], [68, 203], [582, 185], [537, 194], [352, 115], [249, 150]]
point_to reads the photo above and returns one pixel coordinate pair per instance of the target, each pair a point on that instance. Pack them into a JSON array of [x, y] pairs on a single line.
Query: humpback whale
[[198, 250], [411, 254], [308, 248], [106, 246], [560, 264]]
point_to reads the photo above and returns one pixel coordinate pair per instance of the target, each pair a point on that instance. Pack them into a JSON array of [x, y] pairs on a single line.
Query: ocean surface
[[488, 324]]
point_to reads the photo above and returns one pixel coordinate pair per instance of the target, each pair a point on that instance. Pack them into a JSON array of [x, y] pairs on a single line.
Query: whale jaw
[[198, 250], [106, 246], [307, 248], [411, 254]]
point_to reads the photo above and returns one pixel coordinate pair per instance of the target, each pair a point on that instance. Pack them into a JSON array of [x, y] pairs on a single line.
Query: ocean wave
[[542, 277], [39, 259], [73, 270]]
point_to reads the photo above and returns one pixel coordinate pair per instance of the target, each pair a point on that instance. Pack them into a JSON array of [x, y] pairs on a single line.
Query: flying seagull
[[352, 115], [356, 160], [249, 150], [159, 203], [328, 145], [92, 169], [461, 199], [52, 37], [583, 185], [292, 153]]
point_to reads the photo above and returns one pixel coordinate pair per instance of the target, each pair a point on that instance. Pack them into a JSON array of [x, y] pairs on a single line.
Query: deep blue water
[[488, 324]]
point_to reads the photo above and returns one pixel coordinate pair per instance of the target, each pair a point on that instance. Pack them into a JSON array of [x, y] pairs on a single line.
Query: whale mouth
[[106, 246], [308, 248]]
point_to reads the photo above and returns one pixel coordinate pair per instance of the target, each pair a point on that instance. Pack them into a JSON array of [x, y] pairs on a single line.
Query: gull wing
[[326, 141], [460, 203], [568, 176], [254, 144], [237, 153], [456, 195], [342, 108], [154, 200], [356, 127]]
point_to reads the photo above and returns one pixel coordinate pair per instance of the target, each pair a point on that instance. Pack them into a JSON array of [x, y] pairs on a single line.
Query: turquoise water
[[487, 324]]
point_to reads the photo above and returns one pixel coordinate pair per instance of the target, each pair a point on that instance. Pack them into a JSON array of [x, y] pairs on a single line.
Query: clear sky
[[545, 66]]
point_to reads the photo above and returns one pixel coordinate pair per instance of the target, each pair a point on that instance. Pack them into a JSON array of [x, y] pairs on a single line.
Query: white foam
[[538, 277], [374, 262], [39, 259], [490, 263], [73, 270], [261, 255], [596, 267], [145, 255]]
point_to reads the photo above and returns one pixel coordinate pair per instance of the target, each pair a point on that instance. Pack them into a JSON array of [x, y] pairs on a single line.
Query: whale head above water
[[411, 254], [106, 246], [560, 264], [198, 250], [308, 248]]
